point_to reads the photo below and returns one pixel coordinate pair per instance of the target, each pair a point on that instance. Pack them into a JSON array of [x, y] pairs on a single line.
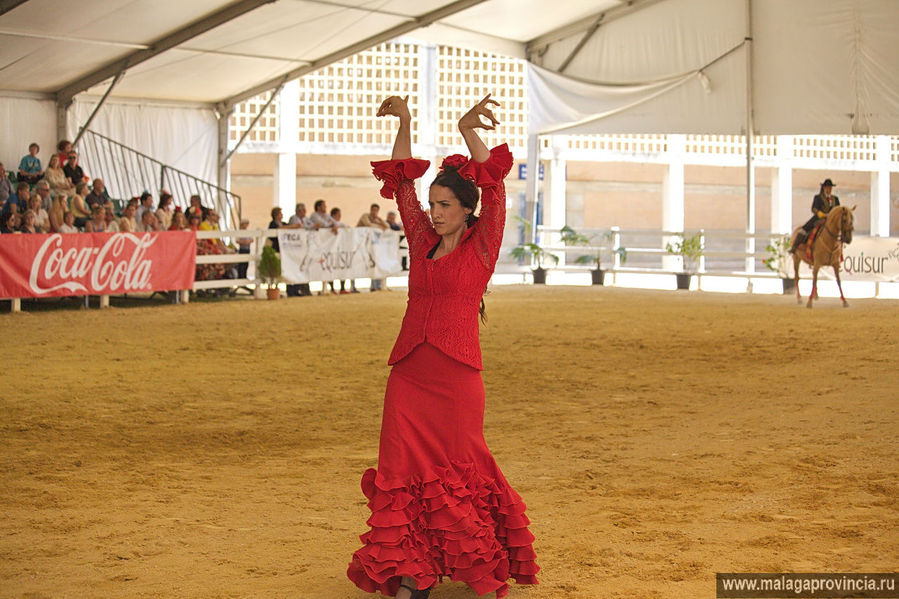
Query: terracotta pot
[[273, 293]]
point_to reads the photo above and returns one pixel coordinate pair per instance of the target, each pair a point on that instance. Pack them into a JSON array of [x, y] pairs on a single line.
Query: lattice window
[[835, 147], [338, 103], [266, 129], [465, 76]]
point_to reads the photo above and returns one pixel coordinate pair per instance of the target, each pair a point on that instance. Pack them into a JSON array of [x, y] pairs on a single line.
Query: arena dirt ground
[[216, 449]]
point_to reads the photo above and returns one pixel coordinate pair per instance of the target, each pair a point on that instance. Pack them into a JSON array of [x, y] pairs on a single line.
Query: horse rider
[[823, 203]]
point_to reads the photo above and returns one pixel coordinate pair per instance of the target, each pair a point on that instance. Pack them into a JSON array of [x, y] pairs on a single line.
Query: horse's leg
[[796, 261], [836, 272], [814, 292]]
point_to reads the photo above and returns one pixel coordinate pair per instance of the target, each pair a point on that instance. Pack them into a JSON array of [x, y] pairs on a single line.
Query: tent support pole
[[750, 172], [97, 108], [262, 110]]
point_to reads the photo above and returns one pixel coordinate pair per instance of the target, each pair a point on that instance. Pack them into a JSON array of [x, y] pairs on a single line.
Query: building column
[[880, 189], [288, 136], [782, 188], [673, 196], [531, 185], [554, 208]]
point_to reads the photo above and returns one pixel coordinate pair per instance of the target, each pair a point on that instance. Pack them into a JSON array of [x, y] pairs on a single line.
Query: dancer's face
[[447, 213]]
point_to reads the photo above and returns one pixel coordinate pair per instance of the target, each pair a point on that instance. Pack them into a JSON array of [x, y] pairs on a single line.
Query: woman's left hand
[[472, 118]]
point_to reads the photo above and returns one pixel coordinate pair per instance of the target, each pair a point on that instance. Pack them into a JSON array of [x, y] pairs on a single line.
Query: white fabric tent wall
[[185, 137], [23, 121], [818, 68]]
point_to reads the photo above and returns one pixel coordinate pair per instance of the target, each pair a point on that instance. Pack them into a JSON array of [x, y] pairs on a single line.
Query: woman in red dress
[[440, 504]]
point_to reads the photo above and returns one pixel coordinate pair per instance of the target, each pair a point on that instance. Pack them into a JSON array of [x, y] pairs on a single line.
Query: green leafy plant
[[572, 237], [269, 267], [535, 253], [778, 251], [531, 251], [689, 249]]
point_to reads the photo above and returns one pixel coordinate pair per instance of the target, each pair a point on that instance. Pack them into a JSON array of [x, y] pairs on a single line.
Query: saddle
[[811, 240]]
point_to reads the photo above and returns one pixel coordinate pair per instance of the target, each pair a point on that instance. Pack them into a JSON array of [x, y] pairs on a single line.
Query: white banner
[[871, 259], [351, 254]]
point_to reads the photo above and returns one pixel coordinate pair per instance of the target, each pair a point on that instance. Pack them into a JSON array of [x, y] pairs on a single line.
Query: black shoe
[[416, 593]]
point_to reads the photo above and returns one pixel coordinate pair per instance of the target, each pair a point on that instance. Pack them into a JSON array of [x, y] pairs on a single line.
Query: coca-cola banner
[[350, 254], [96, 263]]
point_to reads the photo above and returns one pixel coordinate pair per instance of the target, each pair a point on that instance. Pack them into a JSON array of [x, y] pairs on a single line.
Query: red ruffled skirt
[[440, 504]]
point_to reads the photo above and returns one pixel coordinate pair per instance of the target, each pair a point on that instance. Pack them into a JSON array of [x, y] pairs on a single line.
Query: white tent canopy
[[626, 65]]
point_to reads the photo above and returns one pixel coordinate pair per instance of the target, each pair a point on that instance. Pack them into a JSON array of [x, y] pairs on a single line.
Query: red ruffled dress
[[440, 504]]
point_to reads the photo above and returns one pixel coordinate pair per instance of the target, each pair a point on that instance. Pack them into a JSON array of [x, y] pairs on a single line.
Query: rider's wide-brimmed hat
[[828, 183]]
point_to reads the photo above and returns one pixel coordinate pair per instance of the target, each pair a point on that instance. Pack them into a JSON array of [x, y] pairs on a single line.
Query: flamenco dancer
[[440, 504]]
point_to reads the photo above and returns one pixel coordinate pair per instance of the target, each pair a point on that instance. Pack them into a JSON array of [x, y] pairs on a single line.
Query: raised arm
[[399, 107], [487, 168], [471, 121], [399, 174]]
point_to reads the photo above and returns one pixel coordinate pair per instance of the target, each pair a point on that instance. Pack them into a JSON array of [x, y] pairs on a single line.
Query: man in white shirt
[[299, 217], [320, 219]]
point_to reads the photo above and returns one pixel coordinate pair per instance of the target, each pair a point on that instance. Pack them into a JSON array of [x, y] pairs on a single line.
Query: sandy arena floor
[[216, 449]]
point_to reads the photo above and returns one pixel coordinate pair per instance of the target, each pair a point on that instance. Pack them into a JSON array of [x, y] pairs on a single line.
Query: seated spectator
[[18, 202], [59, 183], [277, 222], [179, 223], [371, 219], [320, 219], [196, 207], [68, 225], [392, 221], [299, 217], [63, 148], [6, 188], [205, 247], [30, 169], [79, 207], [98, 195], [164, 211], [28, 225], [73, 172], [148, 223], [97, 223], [42, 191], [9, 222], [210, 222], [41, 216], [127, 224], [112, 223], [145, 203], [57, 212]]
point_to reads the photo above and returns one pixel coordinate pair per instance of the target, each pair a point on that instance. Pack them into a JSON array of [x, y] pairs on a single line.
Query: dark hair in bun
[[464, 190]]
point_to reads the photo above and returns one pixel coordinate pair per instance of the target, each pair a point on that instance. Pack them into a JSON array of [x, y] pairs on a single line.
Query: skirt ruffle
[[456, 521]]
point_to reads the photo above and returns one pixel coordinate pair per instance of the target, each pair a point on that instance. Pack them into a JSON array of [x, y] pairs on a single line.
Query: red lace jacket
[[445, 294]]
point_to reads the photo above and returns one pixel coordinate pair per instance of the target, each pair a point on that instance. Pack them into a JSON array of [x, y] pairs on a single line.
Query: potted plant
[[534, 253], [777, 260], [572, 237], [690, 250], [269, 269]]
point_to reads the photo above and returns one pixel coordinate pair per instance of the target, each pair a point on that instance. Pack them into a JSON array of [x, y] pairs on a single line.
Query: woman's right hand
[[395, 106]]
